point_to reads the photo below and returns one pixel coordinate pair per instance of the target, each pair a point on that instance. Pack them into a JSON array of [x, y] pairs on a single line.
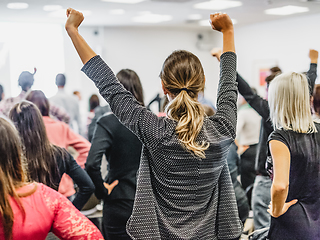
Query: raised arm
[[259, 104], [222, 23], [226, 114], [312, 73], [74, 20]]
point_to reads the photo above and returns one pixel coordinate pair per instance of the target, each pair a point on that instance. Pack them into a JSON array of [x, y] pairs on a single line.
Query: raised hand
[[313, 55], [221, 22], [216, 52], [74, 20]]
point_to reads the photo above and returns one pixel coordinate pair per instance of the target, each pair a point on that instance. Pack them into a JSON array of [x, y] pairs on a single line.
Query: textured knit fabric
[[179, 195], [47, 210], [61, 135], [302, 220]]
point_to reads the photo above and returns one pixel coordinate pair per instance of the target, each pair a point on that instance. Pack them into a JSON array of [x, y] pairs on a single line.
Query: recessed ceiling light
[[207, 23], [124, 1], [286, 10], [147, 17], [17, 5], [50, 8], [117, 12], [194, 17], [217, 4]]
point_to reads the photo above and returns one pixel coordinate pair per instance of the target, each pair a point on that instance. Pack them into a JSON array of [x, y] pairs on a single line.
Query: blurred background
[[140, 34]]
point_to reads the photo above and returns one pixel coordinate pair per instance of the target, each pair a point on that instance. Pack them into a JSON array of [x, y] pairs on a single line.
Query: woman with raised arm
[[30, 210], [45, 161], [184, 189], [294, 149]]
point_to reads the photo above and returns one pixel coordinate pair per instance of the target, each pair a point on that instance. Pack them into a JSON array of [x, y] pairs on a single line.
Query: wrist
[[228, 31], [314, 61], [71, 30]]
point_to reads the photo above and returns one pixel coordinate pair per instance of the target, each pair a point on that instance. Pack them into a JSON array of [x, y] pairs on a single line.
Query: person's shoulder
[[108, 118]]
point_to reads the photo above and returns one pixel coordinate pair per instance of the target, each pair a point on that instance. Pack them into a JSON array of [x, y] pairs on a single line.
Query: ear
[[165, 91]]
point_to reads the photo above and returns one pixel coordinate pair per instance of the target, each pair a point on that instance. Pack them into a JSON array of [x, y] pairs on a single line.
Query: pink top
[[61, 135], [47, 210]]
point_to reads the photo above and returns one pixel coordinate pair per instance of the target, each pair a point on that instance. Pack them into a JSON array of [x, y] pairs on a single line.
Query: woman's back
[[179, 195], [46, 210]]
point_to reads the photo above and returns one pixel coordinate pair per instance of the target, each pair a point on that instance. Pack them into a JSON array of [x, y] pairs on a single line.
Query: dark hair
[[60, 80], [316, 99], [94, 102], [39, 152], [40, 100], [275, 71], [12, 174], [26, 80], [131, 81], [1, 91]]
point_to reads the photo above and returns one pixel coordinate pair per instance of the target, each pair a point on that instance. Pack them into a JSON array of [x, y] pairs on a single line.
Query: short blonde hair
[[289, 102]]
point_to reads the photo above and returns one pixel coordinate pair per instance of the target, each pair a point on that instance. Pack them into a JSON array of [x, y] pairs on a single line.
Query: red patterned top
[[47, 210]]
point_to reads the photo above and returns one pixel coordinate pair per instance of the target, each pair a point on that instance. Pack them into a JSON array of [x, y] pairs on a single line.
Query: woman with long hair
[[123, 150], [184, 189], [294, 156], [46, 163], [62, 135], [30, 210]]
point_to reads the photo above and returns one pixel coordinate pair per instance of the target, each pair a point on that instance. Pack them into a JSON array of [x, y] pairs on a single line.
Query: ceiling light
[[17, 5], [124, 1], [194, 17], [50, 8], [206, 23], [286, 10], [117, 12], [147, 17], [217, 4]]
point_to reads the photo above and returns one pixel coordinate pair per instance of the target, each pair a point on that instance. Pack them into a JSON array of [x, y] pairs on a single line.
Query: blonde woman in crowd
[[295, 164]]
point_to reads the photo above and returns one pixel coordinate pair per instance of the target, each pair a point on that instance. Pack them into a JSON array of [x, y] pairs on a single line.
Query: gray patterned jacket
[[179, 196]]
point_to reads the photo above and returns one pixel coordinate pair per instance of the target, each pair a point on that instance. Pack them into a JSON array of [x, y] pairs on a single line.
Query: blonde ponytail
[[182, 75]]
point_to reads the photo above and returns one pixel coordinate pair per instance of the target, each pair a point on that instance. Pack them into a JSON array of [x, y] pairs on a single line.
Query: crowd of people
[[192, 172]]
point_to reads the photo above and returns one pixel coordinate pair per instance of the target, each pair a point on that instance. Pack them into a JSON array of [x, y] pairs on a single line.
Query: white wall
[[282, 42], [143, 50], [286, 42]]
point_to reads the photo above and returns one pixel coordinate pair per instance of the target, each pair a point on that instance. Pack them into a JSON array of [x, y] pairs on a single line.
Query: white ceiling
[[251, 11]]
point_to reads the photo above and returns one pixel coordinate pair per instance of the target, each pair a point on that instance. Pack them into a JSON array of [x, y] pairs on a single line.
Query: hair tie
[[184, 89]]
